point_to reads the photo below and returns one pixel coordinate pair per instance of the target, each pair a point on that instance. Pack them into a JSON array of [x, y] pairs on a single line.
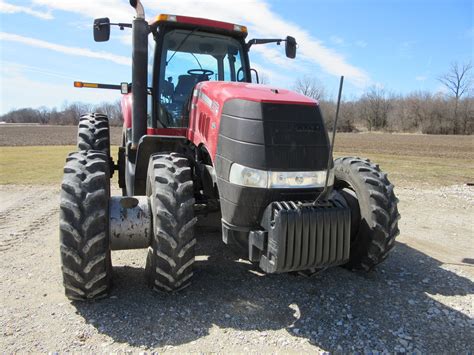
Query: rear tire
[[84, 226], [366, 188], [170, 188], [93, 133]]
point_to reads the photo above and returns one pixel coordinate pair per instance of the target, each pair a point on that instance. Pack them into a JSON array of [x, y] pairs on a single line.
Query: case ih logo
[[307, 127]]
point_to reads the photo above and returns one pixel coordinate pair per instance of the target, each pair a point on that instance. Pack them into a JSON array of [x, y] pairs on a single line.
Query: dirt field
[[420, 299], [31, 135], [460, 147]]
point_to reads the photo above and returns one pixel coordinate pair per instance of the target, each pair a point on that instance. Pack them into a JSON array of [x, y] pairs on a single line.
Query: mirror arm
[[262, 41], [122, 25]]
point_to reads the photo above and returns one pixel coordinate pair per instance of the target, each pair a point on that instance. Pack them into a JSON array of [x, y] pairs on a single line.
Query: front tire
[[94, 133], [170, 188], [84, 226], [370, 194]]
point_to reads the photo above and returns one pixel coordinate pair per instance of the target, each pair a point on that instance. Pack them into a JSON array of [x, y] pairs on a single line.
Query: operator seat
[[185, 85]]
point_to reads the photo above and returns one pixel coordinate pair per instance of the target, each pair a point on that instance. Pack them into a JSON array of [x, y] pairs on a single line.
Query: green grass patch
[[38, 165], [43, 165]]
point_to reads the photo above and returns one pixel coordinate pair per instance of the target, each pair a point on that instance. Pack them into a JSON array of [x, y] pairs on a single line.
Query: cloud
[[267, 74], [255, 14], [420, 78], [441, 90], [22, 89], [361, 44], [16, 67], [276, 55], [76, 51], [118, 10], [336, 40], [7, 8]]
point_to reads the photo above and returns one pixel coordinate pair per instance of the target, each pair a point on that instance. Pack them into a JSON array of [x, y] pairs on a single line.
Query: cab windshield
[[192, 57]]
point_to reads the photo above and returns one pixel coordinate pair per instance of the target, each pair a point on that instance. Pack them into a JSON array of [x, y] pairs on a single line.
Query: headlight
[[245, 176], [242, 175]]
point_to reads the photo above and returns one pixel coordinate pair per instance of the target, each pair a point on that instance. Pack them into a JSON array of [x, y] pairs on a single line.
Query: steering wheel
[[200, 72]]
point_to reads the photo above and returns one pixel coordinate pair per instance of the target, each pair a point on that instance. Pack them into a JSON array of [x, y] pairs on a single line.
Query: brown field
[[408, 158], [32, 135], [359, 143]]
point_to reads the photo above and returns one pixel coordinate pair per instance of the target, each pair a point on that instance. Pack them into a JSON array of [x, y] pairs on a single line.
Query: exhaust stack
[[139, 73]]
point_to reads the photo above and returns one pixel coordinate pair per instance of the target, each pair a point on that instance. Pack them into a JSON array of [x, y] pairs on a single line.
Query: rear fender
[[147, 146], [206, 173]]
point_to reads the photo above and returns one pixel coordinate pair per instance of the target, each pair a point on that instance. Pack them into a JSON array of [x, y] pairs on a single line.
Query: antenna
[[331, 148]]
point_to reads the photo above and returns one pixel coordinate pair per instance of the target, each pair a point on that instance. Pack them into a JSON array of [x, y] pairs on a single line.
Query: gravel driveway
[[420, 299]]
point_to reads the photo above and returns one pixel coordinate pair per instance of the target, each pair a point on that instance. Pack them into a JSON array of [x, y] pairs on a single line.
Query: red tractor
[[198, 136]]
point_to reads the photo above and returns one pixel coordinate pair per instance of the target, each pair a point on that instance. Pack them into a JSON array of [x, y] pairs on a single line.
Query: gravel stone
[[418, 301]]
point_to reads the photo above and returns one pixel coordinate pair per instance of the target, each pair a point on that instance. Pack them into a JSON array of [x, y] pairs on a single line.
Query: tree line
[[451, 112], [68, 115]]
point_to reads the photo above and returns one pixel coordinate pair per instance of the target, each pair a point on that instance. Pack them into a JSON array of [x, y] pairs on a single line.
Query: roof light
[[239, 28], [201, 22], [164, 17]]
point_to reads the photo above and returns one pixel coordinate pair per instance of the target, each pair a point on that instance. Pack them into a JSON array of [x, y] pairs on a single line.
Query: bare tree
[[458, 80], [374, 108], [113, 112], [310, 86]]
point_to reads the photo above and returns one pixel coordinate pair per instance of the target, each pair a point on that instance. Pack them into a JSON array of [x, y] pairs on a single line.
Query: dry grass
[[407, 171], [415, 145], [36, 154], [38, 165]]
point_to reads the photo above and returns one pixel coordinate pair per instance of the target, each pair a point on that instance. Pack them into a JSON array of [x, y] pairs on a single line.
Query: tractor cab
[[188, 51]]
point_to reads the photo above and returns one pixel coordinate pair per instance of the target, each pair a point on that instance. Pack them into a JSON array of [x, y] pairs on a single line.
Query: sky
[[398, 45]]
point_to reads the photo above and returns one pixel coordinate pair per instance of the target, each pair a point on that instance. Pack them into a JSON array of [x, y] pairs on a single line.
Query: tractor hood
[[261, 126], [223, 91], [258, 127]]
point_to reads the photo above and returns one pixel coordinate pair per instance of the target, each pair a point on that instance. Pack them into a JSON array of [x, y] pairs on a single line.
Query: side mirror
[[290, 47], [101, 29]]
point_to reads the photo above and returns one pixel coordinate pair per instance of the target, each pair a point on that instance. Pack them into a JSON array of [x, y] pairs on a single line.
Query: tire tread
[[83, 226], [380, 215], [171, 255]]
